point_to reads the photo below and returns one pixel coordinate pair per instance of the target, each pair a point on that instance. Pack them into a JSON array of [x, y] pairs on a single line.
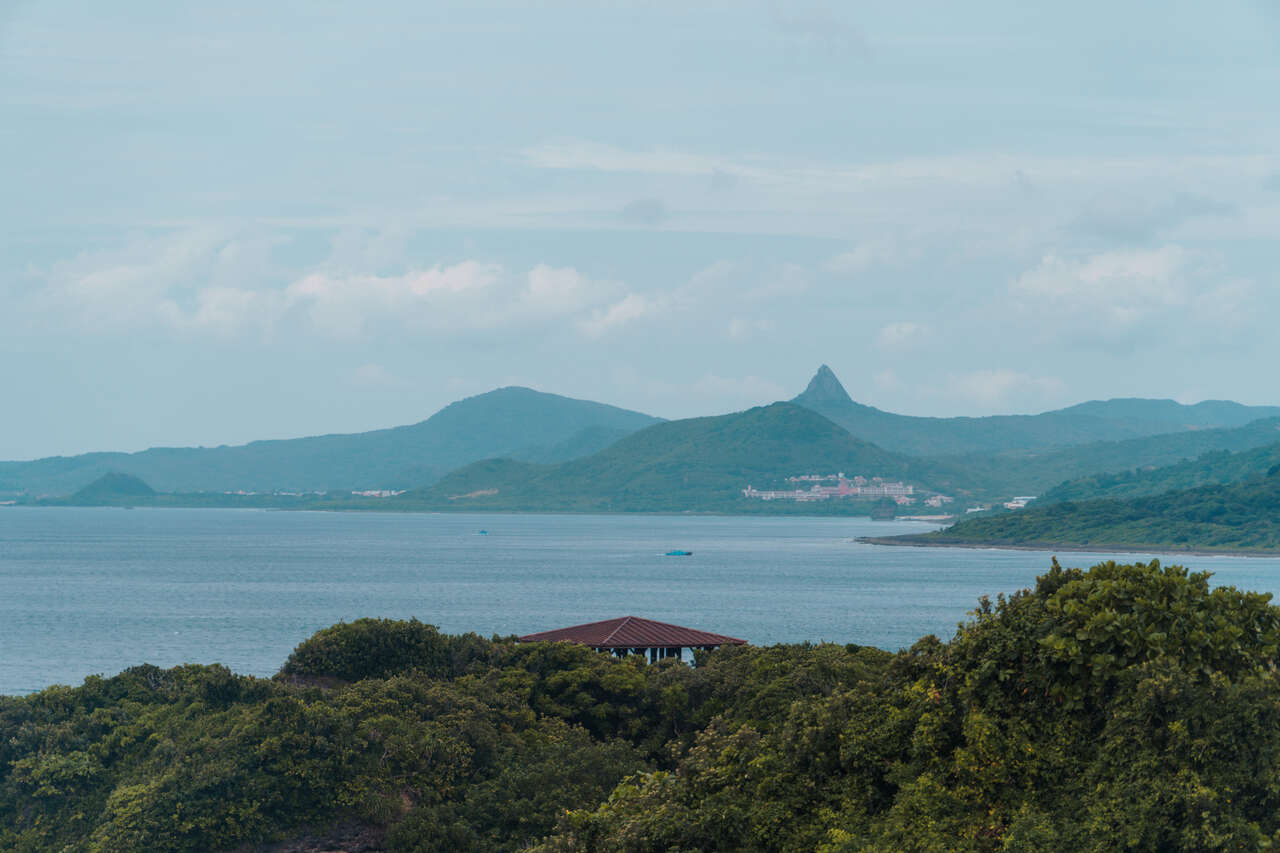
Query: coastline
[[419, 509], [911, 541]]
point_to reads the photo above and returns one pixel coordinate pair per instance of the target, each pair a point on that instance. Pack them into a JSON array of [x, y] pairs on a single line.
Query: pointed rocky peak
[[824, 387]]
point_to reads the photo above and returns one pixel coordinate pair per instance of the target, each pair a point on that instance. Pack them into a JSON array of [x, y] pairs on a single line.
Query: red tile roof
[[629, 632]]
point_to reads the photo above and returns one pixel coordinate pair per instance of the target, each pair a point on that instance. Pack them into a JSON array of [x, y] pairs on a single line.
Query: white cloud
[[230, 311], [129, 286], [991, 168], [887, 380], [465, 297], [711, 282], [585, 155], [373, 376], [1001, 386], [901, 335], [788, 282], [1230, 306], [209, 282], [1117, 288], [854, 261], [741, 328], [562, 289], [712, 391], [630, 308], [438, 298], [745, 390]]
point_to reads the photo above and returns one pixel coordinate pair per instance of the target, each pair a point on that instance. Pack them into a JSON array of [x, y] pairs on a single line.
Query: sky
[[232, 221]]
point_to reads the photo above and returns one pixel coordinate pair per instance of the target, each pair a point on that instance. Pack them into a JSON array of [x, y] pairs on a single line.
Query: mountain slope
[[113, 487], [1098, 420], [1236, 516], [1035, 472], [1218, 466], [507, 421], [694, 464], [1202, 415]]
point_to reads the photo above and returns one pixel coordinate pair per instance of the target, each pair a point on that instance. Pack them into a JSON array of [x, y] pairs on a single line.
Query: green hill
[[1098, 420], [1234, 516], [508, 421], [699, 464], [1035, 472], [113, 487], [584, 442], [1218, 466]]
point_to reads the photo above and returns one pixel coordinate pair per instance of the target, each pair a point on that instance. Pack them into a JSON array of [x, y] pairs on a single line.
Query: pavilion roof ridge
[[633, 631], [622, 623]]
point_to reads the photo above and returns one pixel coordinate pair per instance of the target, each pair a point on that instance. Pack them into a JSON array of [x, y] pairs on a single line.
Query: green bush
[[1125, 707], [379, 648]]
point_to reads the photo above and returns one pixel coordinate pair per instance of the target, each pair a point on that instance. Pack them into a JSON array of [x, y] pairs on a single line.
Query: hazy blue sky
[[248, 220]]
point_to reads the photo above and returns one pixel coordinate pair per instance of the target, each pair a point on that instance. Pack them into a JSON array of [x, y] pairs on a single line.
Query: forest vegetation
[[1211, 468], [1129, 707], [699, 464], [1240, 516]]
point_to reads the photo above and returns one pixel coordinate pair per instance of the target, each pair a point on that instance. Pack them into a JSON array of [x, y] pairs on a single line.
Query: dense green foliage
[[1129, 707], [1234, 516], [1123, 707], [507, 422], [1098, 420], [1218, 466], [1093, 465], [699, 464], [380, 648]]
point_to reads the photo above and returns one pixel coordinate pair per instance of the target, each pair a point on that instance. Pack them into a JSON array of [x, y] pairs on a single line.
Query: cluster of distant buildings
[[822, 487], [363, 493]]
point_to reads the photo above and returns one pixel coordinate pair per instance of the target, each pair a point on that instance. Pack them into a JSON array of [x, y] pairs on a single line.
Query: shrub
[[381, 648]]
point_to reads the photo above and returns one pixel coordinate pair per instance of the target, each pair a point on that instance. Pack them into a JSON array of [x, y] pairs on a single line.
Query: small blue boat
[[678, 553], [484, 533]]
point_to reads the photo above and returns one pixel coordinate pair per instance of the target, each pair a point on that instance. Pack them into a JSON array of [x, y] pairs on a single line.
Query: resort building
[[631, 635], [840, 487]]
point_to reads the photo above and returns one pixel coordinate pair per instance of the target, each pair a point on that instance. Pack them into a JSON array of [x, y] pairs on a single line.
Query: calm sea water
[[86, 591]]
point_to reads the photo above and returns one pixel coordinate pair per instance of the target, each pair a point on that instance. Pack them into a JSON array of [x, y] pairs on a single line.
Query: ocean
[[92, 591]]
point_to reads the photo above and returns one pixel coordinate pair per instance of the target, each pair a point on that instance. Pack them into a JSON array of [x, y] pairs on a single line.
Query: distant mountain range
[[514, 422], [621, 457], [699, 463], [1098, 420]]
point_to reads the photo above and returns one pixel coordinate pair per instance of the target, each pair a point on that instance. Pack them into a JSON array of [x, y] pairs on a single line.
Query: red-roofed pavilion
[[631, 635]]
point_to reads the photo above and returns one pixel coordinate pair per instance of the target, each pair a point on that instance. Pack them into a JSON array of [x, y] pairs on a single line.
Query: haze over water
[[86, 591]]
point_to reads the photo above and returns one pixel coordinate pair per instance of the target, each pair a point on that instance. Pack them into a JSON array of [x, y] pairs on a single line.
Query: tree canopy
[[1120, 707]]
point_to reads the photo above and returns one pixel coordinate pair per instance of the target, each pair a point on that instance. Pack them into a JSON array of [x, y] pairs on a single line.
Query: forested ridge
[[1121, 707], [1212, 468], [1243, 516], [517, 422], [695, 464]]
